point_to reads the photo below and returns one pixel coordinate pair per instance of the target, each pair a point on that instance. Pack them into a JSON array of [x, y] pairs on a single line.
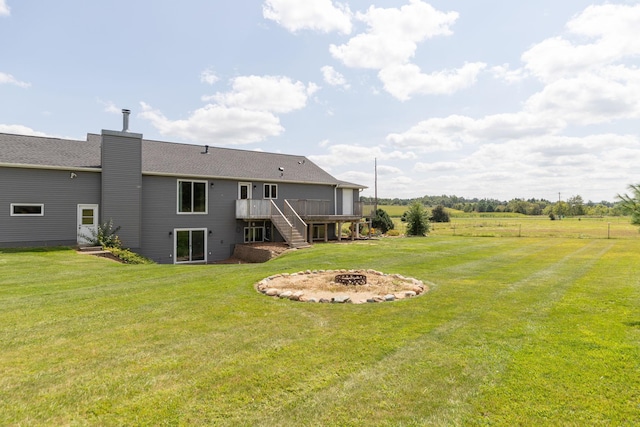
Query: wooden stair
[[292, 236]]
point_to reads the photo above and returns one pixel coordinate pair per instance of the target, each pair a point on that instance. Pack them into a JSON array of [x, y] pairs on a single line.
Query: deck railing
[[253, 209], [262, 209], [309, 207]]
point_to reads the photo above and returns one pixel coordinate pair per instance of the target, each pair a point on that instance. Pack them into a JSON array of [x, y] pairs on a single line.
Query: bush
[[105, 236], [417, 220], [439, 214], [382, 221], [128, 257]]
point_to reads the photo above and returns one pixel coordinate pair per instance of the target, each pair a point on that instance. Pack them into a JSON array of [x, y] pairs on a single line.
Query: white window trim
[[249, 188], [270, 197], [206, 197], [175, 246], [27, 204], [251, 227]]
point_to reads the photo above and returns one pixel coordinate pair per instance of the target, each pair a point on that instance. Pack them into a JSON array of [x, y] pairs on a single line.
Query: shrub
[[439, 214], [417, 220], [382, 221], [128, 257], [105, 236], [393, 233]]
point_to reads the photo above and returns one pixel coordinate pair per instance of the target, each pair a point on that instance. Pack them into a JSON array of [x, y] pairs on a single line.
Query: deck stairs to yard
[[295, 236]]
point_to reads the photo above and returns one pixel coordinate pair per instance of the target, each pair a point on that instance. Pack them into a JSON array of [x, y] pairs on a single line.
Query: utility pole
[[375, 203], [559, 207]]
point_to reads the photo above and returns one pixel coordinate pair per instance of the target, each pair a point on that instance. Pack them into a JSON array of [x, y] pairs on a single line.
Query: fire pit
[[351, 279]]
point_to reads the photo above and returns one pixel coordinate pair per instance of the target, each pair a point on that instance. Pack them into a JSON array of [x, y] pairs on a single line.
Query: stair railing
[[277, 217], [294, 219]]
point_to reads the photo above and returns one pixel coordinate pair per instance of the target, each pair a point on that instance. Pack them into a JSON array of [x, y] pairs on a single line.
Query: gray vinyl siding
[[60, 195], [160, 218], [296, 191], [304, 192], [122, 184]]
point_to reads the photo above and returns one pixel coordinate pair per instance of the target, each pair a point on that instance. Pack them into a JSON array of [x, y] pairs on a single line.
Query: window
[[190, 245], [319, 231], [254, 233], [27, 209], [192, 197], [271, 191]]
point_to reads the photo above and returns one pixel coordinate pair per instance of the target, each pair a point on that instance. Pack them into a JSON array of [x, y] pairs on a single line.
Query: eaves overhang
[[236, 178], [48, 167]]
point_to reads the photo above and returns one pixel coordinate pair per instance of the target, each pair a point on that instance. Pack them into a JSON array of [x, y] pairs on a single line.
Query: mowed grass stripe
[[581, 366], [410, 381], [197, 345]]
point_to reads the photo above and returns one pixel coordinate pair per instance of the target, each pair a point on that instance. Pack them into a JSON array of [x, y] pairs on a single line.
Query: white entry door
[[347, 201], [87, 223]]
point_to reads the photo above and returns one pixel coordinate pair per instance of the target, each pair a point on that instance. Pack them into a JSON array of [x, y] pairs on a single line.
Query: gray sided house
[[175, 203]]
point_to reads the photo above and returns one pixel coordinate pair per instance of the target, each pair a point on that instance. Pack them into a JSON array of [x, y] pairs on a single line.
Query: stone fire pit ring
[[341, 286]]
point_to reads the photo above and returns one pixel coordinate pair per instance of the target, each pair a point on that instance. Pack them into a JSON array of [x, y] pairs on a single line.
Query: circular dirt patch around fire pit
[[359, 286]]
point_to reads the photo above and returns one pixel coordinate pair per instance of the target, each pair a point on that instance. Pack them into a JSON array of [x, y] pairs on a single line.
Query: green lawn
[[515, 331]]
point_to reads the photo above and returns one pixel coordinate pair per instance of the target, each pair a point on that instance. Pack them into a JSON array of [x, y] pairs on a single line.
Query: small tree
[[382, 221], [439, 214], [631, 204], [417, 220]]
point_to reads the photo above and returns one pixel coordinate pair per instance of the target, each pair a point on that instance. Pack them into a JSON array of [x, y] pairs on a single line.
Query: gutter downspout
[[335, 200]]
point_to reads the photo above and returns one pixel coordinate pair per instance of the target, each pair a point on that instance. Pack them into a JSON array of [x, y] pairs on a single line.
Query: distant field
[[397, 211], [529, 331], [590, 228], [394, 210], [517, 225]]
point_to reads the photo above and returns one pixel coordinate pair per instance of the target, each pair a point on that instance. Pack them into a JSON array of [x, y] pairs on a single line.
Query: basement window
[[27, 209]]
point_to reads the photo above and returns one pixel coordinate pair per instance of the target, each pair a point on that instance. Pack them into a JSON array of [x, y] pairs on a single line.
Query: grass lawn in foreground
[[515, 331]]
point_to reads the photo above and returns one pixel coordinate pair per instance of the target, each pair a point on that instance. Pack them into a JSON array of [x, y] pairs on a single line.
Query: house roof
[[167, 158]]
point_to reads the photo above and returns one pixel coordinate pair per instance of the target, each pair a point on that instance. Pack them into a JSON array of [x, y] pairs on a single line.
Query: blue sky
[[497, 98]]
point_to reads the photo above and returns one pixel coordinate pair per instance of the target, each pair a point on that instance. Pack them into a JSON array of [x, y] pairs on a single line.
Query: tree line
[[572, 206]]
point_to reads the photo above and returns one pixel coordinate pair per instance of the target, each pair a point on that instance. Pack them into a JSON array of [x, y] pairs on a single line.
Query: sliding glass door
[[190, 245]]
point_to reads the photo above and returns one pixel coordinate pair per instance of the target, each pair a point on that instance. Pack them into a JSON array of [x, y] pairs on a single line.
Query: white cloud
[[334, 78], [20, 130], [390, 43], [217, 125], [208, 77], [404, 80], [612, 30], [529, 167], [603, 95], [393, 35], [318, 15], [244, 115], [265, 93], [109, 107], [4, 8], [343, 154], [503, 72], [9, 79], [385, 170], [438, 166], [453, 132]]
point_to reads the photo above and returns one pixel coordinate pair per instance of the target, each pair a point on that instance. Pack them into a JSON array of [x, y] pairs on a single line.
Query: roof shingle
[[168, 158]]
